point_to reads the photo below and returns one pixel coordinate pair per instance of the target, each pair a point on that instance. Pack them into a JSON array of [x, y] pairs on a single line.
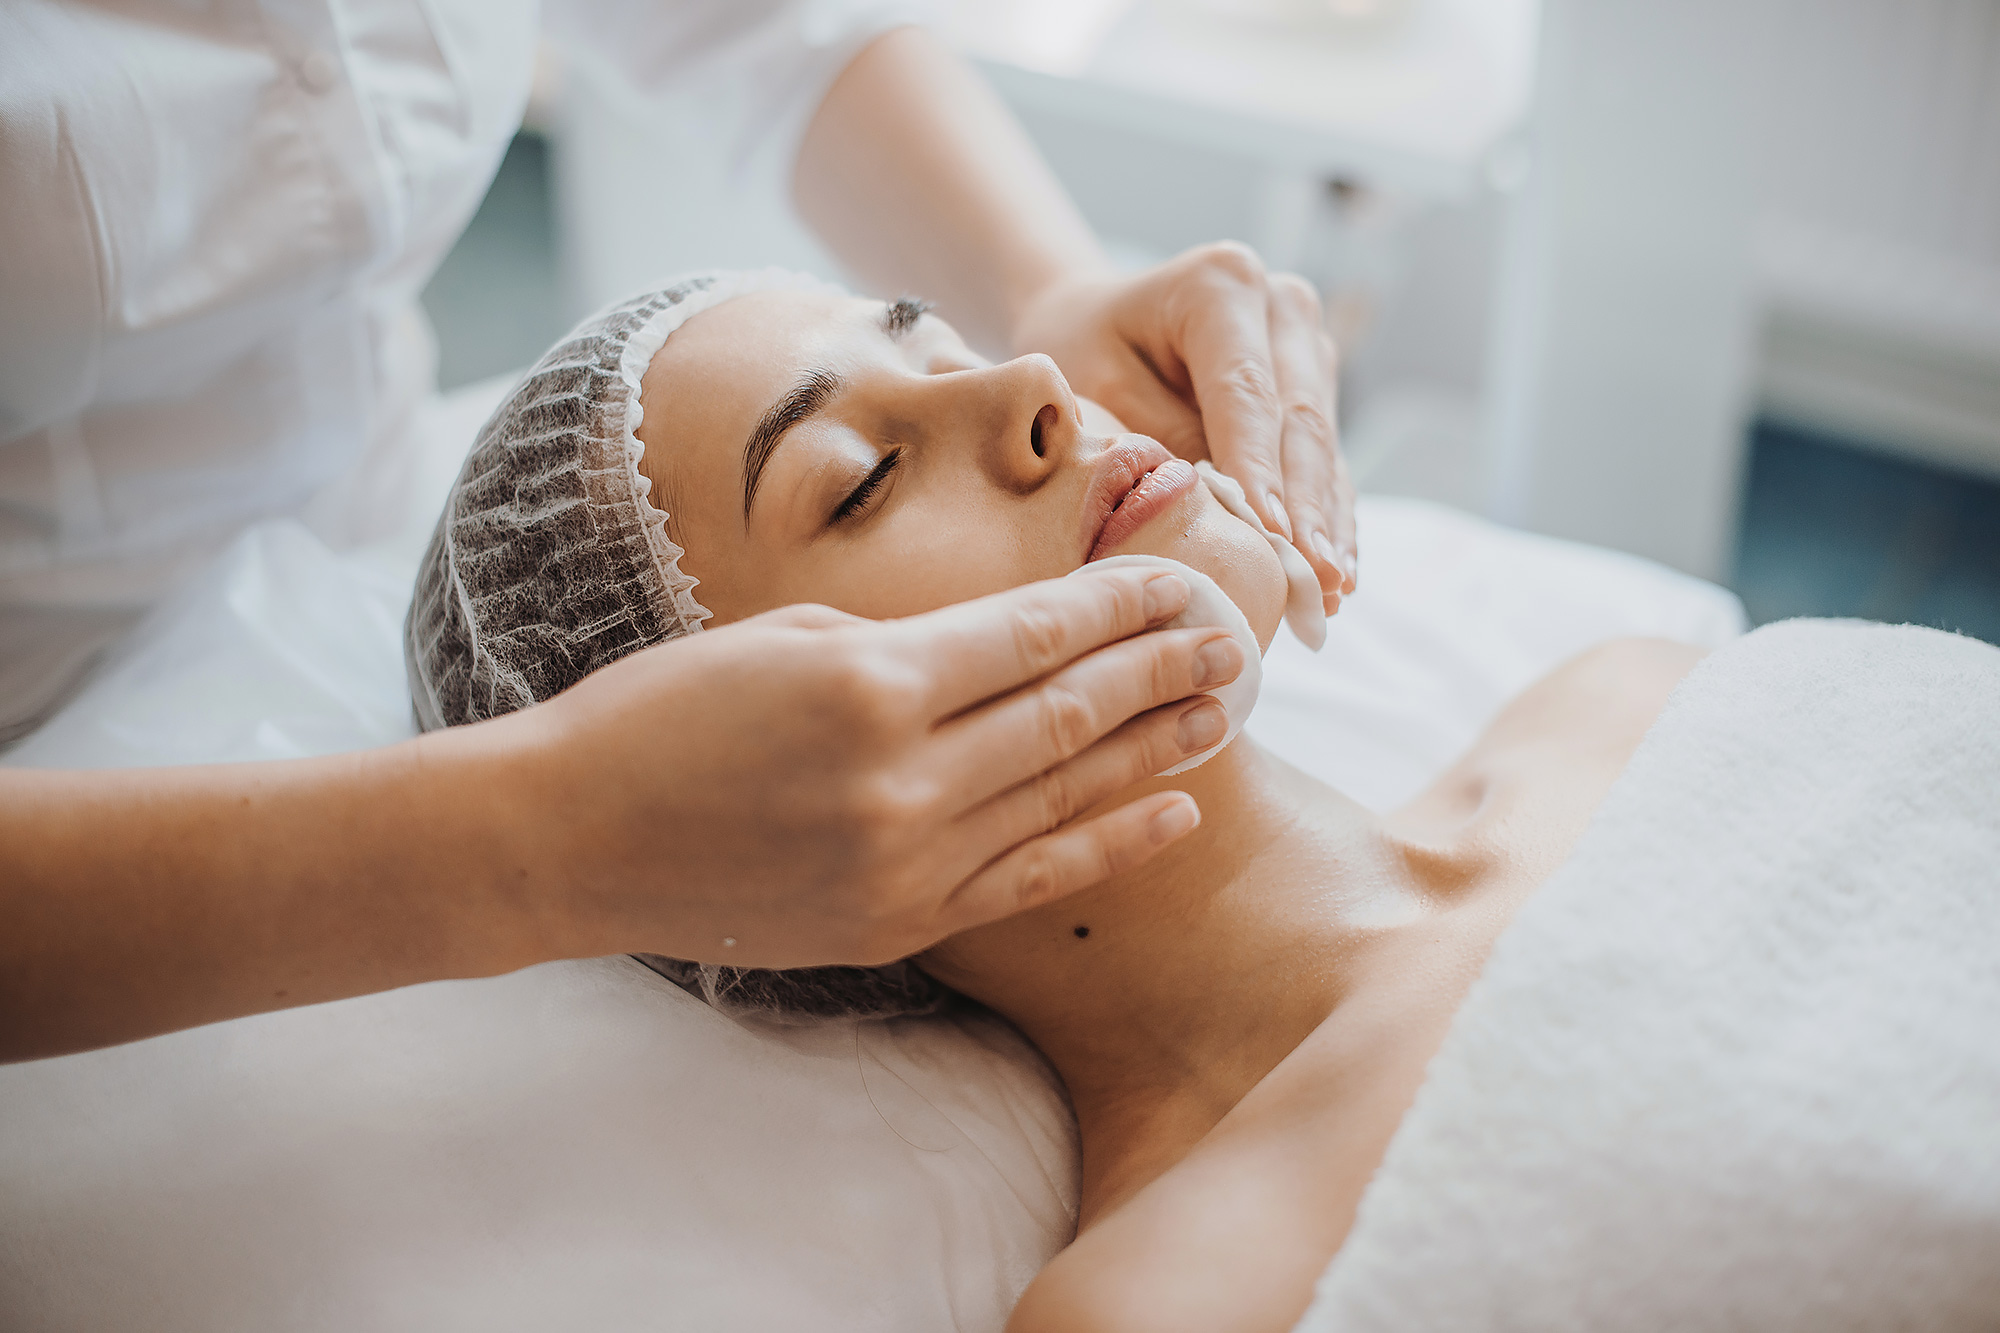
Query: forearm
[[142, 902], [922, 181]]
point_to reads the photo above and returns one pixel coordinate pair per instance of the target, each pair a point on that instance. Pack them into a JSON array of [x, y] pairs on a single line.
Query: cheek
[[719, 572], [1240, 561], [1250, 573], [915, 563], [916, 557]]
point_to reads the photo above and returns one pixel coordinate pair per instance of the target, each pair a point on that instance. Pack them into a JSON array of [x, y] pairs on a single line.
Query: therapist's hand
[[817, 788], [922, 181], [1217, 358], [805, 787]]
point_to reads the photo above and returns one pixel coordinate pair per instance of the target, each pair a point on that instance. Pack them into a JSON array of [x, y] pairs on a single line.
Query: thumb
[[1148, 405]]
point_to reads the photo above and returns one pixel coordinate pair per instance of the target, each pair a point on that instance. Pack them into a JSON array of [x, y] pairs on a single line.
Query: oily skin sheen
[[1242, 1021]]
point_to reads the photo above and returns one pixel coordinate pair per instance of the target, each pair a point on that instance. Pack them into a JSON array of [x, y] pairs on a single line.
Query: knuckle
[[1232, 261], [1037, 878], [1169, 671], [1038, 637], [1172, 667], [1308, 413], [1128, 601], [1162, 751], [806, 615], [1296, 295], [1055, 801], [872, 691], [884, 808], [1250, 381], [1068, 721]]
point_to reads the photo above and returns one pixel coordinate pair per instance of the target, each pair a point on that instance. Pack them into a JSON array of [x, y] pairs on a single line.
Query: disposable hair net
[[550, 561]]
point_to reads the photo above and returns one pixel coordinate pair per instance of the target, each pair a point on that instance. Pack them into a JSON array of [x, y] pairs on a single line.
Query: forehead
[[713, 378], [765, 337]]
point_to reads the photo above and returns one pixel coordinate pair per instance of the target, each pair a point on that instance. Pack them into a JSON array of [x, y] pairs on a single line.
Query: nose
[[1021, 417]]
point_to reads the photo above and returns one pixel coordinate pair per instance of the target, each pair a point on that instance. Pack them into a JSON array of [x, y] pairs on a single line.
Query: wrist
[[1042, 288], [487, 794]]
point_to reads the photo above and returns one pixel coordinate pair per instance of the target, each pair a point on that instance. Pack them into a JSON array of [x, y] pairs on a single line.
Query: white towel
[[1737, 1066]]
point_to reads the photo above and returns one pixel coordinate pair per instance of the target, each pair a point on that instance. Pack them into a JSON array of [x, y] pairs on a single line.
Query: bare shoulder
[[1611, 693], [1232, 1238], [1565, 738]]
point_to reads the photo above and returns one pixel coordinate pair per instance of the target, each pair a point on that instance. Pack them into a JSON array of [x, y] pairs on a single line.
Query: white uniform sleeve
[[756, 69]]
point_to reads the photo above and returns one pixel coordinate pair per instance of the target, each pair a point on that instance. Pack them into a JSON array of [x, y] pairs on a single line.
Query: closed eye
[[857, 498]]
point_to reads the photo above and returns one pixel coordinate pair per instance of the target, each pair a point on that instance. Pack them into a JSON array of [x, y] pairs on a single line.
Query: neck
[[1164, 995]]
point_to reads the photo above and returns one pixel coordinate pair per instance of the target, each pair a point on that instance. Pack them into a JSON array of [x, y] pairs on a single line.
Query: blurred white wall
[[1625, 333], [1878, 247], [1570, 254], [1782, 205], [1366, 151]]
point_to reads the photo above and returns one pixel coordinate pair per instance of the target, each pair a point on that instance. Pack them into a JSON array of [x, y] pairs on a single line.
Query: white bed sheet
[[581, 1144]]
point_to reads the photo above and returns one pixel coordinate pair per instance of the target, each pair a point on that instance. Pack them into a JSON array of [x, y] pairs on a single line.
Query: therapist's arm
[[795, 789], [922, 181]]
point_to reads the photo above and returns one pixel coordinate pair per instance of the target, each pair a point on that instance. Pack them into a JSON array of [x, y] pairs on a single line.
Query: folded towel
[[1737, 1066]]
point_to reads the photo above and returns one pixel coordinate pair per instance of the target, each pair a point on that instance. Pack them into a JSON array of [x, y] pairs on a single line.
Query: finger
[[1032, 731], [1227, 349], [992, 645], [1145, 747], [1301, 357], [1341, 527], [1144, 402], [1058, 864], [805, 615], [1346, 540]]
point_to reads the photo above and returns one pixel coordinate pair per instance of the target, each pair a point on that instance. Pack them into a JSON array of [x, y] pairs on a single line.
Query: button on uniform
[[320, 72]]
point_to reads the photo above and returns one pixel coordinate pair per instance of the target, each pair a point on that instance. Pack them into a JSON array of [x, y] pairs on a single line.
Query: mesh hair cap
[[550, 561]]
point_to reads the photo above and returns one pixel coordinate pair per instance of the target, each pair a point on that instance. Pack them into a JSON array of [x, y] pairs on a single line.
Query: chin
[[1239, 560]]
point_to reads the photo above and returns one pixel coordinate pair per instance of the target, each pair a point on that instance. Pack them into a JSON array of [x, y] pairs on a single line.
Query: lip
[[1135, 481]]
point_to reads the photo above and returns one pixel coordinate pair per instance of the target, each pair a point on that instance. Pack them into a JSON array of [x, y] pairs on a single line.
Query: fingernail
[[1165, 594], [1202, 726], [1351, 567], [1217, 662], [1173, 821], [1275, 515], [1324, 550]]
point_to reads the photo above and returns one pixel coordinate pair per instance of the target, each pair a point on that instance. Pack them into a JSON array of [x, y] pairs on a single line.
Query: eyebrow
[[901, 315], [803, 400]]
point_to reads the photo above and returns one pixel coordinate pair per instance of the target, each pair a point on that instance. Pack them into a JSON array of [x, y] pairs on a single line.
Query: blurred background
[[1713, 281]]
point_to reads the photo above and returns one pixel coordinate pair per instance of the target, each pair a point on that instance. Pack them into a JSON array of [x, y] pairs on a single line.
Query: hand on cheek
[[1217, 358]]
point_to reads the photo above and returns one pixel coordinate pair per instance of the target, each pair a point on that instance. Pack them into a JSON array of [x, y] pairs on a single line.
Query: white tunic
[[215, 220]]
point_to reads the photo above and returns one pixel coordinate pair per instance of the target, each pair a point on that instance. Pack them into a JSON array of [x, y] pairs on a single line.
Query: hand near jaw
[[918, 176], [1217, 358], [815, 787], [805, 787]]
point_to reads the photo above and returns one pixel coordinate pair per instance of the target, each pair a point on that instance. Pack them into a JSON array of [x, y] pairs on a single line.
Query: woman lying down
[[1242, 1022]]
